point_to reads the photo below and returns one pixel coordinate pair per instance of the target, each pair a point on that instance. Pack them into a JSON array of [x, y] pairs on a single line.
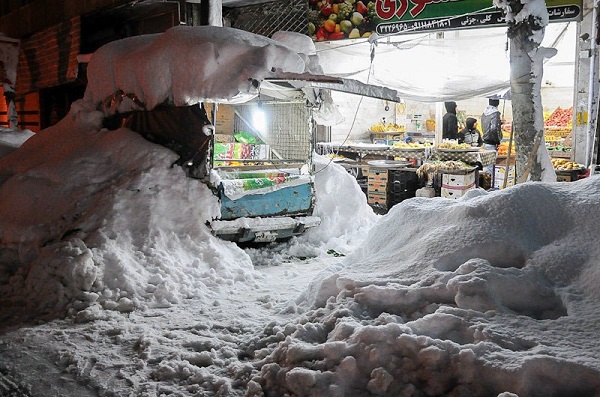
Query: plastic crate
[[402, 185], [403, 181]]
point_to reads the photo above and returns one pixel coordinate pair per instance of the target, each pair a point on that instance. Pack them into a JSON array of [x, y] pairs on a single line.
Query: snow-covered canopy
[[187, 65]]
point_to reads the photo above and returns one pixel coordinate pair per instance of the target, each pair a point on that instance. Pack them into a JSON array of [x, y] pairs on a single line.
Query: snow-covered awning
[[187, 65]]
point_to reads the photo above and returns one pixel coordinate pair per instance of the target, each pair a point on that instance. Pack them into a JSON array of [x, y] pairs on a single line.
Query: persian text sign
[[333, 20]]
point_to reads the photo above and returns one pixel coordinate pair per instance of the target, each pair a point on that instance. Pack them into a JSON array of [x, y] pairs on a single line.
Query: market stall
[[557, 132], [390, 174]]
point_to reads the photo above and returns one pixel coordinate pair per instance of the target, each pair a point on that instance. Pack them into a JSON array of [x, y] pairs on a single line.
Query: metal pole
[[594, 84], [215, 13]]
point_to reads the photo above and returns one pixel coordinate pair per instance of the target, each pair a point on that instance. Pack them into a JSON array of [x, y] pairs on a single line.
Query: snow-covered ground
[[132, 295], [111, 284]]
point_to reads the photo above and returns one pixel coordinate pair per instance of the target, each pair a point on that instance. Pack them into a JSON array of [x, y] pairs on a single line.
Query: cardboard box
[[458, 179], [499, 175], [378, 174], [226, 138], [456, 185], [454, 193], [568, 176], [224, 124], [377, 187], [377, 198]]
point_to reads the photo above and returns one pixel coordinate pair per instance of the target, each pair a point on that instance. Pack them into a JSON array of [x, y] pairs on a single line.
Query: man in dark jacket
[[491, 124], [450, 122]]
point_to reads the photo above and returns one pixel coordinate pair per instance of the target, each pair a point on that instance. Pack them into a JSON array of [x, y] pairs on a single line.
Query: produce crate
[[402, 185], [500, 174], [563, 154], [455, 183], [568, 176], [379, 199], [377, 187], [378, 174], [458, 180]]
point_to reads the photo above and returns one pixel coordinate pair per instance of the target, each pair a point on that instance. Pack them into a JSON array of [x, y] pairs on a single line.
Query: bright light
[[259, 119]]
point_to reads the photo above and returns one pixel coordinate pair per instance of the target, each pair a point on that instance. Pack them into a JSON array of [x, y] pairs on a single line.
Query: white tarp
[[434, 67]]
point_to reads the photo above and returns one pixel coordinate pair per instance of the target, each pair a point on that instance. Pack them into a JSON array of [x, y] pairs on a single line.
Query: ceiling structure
[[241, 3]]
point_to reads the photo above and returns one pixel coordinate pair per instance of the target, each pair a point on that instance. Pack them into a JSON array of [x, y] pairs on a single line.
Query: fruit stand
[[568, 171], [392, 171], [557, 132]]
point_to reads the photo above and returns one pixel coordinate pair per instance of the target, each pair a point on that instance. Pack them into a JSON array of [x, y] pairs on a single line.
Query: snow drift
[[102, 217], [451, 298]]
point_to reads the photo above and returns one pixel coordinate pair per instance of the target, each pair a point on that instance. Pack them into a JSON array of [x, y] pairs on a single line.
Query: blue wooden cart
[[265, 187]]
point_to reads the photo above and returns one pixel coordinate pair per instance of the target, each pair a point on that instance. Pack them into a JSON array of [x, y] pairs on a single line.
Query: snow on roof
[[186, 65]]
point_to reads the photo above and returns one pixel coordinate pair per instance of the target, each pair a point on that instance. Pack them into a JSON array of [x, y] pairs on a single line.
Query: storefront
[[446, 63]]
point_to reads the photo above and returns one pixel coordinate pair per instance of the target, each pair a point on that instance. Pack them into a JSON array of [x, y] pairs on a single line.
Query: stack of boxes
[[455, 185], [403, 184], [377, 187], [387, 187]]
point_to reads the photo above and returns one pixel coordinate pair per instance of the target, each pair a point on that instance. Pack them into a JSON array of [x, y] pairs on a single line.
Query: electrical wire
[[373, 45]]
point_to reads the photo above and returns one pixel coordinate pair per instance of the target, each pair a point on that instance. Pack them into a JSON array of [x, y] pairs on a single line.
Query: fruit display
[[410, 145], [561, 132], [565, 165], [340, 19], [559, 148], [560, 118], [387, 127], [430, 125], [454, 146], [503, 149], [432, 167]]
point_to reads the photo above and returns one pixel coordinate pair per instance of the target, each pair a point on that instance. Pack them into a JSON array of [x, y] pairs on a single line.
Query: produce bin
[[402, 185]]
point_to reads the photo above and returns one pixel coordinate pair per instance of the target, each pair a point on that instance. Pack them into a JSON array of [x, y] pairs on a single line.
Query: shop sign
[[333, 20]]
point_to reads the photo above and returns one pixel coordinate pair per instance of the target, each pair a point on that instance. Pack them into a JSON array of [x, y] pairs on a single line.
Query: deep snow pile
[[101, 215], [103, 218], [12, 139], [95, 218], [488, 294]]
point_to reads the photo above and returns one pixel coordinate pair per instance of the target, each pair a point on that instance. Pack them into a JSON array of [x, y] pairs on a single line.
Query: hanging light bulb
[[259, 119]]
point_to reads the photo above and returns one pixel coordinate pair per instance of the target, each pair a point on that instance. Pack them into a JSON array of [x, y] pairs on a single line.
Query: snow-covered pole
[[9, 56], [593, 89], [526, 21]]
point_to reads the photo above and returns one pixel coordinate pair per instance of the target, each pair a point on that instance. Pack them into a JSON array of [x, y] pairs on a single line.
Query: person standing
[[450, 122], [491, 123], [470, 134]]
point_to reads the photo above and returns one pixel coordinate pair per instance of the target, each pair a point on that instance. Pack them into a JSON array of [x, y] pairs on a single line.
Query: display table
[[485, 157], [386, 152]]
